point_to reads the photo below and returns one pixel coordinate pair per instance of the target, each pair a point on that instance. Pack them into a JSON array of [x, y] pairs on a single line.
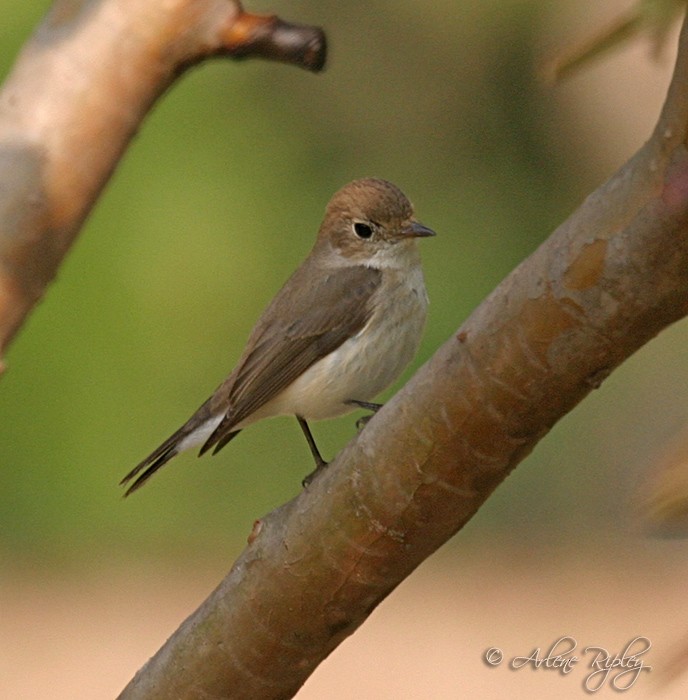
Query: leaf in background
[[661, 499], [654, 17]]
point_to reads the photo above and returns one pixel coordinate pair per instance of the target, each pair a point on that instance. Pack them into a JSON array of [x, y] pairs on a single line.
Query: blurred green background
[[219, 198]]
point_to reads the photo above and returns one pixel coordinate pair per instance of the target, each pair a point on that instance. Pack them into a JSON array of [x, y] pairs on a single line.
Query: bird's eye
[[363, 230]]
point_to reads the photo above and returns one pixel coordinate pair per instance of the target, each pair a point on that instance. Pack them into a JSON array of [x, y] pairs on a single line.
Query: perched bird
[[340, 330]]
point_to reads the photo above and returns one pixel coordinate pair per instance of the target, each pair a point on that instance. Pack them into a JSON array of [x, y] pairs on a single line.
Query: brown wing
[[312, 315]]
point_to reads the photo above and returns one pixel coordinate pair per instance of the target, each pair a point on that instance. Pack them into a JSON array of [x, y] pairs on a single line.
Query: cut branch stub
[[268, 36]]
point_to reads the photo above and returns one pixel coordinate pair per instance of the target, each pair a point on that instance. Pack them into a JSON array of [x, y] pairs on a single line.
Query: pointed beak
[[417, 230]]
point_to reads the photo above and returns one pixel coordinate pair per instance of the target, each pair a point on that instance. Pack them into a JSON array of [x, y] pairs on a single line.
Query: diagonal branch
[[75, 98], [608, 280]]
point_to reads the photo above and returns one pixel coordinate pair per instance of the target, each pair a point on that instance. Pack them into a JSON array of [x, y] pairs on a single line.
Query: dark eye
[[363, 230]]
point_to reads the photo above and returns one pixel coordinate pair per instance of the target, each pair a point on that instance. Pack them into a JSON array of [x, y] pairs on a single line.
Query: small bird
[[340, 330]]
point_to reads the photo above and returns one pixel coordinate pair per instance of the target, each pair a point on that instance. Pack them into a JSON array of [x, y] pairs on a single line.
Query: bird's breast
[[366, 363]]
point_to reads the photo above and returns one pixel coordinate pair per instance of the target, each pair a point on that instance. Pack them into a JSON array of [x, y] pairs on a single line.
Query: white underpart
[[361, 367], [200, 435]]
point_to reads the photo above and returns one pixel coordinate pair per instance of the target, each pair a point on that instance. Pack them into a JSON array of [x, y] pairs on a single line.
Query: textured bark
[[76, 96], [608, 280]]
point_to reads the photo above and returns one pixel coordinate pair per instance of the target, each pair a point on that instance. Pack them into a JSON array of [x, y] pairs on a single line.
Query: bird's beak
[[417, 230]]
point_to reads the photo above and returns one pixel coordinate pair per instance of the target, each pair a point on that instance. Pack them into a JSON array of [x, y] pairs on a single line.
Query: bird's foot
[[368, 406], [362, 422], [320, 466]]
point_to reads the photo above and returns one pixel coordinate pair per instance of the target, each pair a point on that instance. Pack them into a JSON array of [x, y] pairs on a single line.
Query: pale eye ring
[[363, 230]]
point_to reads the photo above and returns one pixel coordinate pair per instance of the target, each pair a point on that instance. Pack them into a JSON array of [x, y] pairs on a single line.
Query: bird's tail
[[195, 431], [145, 469]]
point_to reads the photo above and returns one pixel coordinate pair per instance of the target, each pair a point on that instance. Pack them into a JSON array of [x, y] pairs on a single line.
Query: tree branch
[[75, 98], [608, 280]]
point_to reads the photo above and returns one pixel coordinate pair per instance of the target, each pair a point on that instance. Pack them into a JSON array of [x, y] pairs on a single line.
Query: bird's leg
[[368, 406], [320, 463]]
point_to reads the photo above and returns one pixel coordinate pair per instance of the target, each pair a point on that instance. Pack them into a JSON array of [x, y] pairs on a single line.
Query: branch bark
[[75, 98], [608, 280]]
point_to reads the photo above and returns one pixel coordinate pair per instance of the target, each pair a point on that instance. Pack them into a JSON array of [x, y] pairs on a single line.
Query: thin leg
[[368, 406], [320, 463]]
